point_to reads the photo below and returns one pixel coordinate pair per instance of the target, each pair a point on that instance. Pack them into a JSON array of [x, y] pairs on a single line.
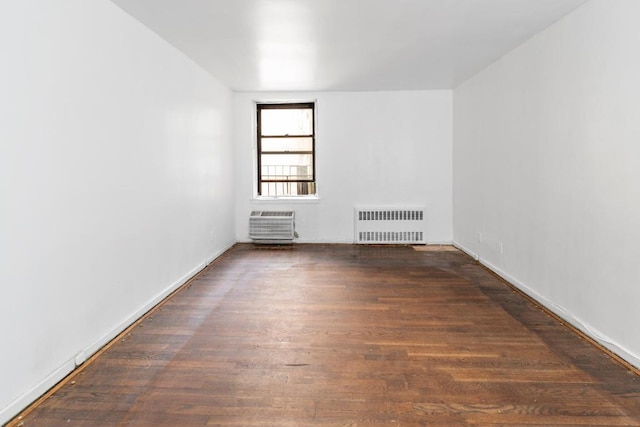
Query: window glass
[[287, 144], [295, 121], [286, 149]]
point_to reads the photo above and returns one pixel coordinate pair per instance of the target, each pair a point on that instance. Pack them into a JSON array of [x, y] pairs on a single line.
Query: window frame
[[286, 106]]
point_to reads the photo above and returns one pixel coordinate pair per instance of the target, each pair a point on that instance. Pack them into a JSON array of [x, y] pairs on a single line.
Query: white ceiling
[[318, 45]]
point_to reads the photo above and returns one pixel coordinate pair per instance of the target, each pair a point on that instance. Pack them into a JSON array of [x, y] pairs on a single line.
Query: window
[[286, 149]]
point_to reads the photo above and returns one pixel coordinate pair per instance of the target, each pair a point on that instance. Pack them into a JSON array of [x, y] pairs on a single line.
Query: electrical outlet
[[211, 236], [500, 248], [479, 237]]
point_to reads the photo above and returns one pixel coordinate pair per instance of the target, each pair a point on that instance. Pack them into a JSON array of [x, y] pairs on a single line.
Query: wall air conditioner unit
[[272, 227]]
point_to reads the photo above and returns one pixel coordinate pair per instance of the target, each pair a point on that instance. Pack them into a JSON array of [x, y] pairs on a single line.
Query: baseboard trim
[[351, 242], [615, 351], [469, 253], [24, 404]]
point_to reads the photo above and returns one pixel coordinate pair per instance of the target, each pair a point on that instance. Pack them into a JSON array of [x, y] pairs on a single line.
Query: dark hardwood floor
[[341, 335]]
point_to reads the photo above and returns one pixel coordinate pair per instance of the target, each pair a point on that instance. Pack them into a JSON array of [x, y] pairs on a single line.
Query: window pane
[[286, 149], [287, 144], [289, 167], [287, 188], [296, 121]]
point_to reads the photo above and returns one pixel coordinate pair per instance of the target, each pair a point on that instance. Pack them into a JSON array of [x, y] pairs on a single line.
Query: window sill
[[297, 199]]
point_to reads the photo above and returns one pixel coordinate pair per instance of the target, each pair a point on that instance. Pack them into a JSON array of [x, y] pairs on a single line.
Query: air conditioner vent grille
[[272, 226], [272, 213]]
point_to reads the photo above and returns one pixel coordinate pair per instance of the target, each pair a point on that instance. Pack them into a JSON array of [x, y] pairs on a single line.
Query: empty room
[[320, 212]]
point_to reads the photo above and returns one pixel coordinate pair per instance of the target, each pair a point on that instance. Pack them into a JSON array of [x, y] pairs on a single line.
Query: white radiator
[[272, 226], [390, 225]]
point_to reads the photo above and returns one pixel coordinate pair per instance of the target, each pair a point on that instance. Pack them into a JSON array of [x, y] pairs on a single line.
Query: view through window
[[286, 149]]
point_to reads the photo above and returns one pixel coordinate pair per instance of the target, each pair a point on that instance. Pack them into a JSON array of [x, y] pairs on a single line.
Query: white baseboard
[[439, 242], [559, 311], [466, 251], [346, 242], [14, 408], [311, 241], [217, 254]]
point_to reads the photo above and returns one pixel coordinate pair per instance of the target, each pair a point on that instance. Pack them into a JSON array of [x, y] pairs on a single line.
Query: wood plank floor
[[341, 335]]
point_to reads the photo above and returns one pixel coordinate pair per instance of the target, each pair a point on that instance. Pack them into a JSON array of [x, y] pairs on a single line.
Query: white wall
[[547, 162], [373, 148], [115, 166]]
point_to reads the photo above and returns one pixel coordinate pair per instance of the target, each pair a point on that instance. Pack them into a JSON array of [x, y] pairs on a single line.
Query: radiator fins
[[389, 225]]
